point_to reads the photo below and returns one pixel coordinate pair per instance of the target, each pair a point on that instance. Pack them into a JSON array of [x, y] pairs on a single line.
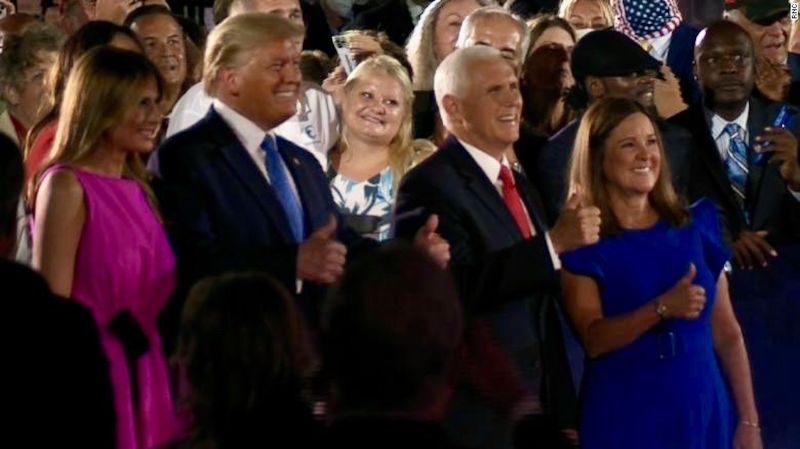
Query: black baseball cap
[[608, 52]]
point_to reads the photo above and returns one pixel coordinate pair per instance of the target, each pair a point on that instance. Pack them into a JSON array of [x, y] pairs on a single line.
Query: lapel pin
[[296, 162]]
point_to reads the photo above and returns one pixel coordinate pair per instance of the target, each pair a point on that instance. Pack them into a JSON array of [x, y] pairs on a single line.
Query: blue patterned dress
[[665, 390], [366, 206]]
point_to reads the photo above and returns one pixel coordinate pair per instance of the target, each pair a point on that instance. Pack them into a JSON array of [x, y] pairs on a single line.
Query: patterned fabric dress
[[365, 206]]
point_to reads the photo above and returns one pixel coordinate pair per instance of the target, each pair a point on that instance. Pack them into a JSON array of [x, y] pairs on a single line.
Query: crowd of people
[[388, 223]]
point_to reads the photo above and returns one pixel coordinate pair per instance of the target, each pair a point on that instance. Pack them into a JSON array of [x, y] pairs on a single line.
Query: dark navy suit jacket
[[768, 202], [222, 215], [508, 281]]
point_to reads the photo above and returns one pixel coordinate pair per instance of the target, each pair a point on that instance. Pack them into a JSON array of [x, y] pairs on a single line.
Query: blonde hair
[[231, 43], [565, 10], [115, 78], [586, 174], [420, 46], [401, 149]]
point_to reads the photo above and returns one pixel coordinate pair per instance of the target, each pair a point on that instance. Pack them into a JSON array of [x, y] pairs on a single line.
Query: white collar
[[488, 164], [718, 123], [250, 134]]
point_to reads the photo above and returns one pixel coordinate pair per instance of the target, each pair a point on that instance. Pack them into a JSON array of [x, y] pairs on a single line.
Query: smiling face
[[488, 112], [164, 45], [265, 89], [374, 108], [639, 87], [448, 24], [632, 158], [587, 14], [137, 131]]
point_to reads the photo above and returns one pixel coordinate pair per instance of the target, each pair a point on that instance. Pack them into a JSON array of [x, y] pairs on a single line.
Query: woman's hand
[[362, 44], [334, 82], [747, 436], [685, 300]]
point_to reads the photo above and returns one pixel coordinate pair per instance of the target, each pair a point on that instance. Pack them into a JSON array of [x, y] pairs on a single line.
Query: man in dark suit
[[759, 207], [503, 257], [51, 347], [606, 63], [761, 210], [237, 197]]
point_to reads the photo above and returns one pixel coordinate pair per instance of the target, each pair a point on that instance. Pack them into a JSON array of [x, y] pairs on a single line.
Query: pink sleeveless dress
[[124, 262]]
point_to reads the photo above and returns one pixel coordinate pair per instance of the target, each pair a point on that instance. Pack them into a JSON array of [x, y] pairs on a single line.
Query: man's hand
[[321, 258], [752, 248], [577, 226], [432, 243], [783, 146]]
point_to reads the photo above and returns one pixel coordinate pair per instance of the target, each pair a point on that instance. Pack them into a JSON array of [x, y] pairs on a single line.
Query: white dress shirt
[[251, 136], [659, 47], [491, 168], [315, 126]]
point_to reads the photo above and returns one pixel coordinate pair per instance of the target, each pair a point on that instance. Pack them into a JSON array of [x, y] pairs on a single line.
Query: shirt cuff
[[553, 254], [298, 286]]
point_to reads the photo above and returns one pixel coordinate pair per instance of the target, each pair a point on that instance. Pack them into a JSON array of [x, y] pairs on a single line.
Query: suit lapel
[[526, 192], [481, 187], [247, 173], [711, 158]]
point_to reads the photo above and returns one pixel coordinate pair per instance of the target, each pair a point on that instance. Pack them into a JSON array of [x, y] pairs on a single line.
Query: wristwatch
[[661, 310]]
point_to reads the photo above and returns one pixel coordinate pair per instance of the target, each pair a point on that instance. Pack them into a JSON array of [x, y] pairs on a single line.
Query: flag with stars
[[646, 19]]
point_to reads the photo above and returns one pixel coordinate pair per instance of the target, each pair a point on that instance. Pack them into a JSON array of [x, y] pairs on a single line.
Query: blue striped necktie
[[282, 186], [736, 162]]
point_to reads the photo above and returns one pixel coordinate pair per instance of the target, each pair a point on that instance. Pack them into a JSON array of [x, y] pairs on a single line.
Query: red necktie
[[514, 202]]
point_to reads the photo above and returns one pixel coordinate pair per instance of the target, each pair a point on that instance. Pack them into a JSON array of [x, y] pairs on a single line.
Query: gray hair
[[419, 47], [449, 78], [495, 13]]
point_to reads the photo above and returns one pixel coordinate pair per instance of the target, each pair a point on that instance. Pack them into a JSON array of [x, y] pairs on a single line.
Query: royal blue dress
[[665, 390]]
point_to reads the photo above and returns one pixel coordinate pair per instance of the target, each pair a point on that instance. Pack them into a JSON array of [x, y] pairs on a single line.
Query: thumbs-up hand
[[577, 226], [684, 300], [428, 240], [321, 258]]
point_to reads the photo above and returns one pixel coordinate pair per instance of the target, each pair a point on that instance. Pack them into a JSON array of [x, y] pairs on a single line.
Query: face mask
[[580, 32]]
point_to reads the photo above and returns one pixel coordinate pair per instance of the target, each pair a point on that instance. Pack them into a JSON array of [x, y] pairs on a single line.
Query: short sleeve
[[706, 220], [585, 262]]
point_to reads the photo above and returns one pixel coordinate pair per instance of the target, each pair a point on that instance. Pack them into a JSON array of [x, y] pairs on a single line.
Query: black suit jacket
[[501, 277], [768, 201]]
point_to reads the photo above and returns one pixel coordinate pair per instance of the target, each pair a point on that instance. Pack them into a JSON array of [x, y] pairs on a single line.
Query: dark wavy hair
[[248, 359], [390, 331]]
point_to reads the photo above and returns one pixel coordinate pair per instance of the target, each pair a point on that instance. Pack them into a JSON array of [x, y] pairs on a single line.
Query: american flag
[[646, 19]]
